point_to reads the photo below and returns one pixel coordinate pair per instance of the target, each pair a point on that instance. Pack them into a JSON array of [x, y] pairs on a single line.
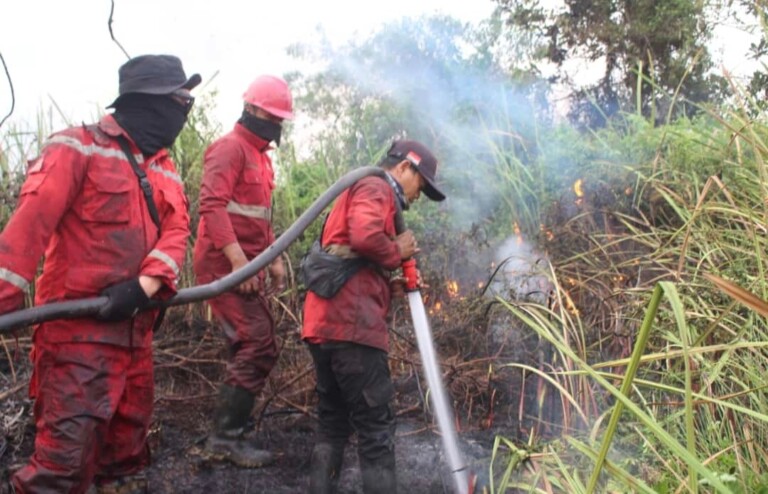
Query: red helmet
[[271, 94]]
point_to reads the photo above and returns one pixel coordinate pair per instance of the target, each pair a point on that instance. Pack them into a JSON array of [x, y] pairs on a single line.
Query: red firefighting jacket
[[363, 218], [81, 206], [235, 199]]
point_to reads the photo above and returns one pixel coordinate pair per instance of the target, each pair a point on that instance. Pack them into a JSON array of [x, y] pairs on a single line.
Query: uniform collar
[[398, 189], [109, 126], [252, 138]]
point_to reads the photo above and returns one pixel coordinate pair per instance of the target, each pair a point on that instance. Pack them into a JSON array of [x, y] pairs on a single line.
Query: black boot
[[325, 468], [379, 475], [227, 442]]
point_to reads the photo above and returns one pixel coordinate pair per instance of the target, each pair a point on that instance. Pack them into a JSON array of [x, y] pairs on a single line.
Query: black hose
[[73, 309]]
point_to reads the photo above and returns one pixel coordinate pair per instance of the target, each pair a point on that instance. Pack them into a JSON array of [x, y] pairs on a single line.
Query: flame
[[453, 288], [570, 305], [577, 188], [518, 234], [435, 308], [547, 232]]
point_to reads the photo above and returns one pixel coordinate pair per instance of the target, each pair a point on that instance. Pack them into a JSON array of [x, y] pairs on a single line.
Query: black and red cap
[[423, 160]]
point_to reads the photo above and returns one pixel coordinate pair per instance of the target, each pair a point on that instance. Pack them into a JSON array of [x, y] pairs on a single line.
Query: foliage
[[189, 148], [659, 204], [652, 51], [18, 146]]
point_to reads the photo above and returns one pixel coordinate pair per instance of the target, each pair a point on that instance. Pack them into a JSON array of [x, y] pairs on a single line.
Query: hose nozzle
[[411, 275]]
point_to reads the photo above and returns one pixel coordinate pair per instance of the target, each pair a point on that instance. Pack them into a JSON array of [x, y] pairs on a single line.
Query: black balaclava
[[153, 121], [266, 129]]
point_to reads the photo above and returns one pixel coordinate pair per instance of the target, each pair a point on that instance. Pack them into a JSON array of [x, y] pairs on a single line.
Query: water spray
[[462, 479]]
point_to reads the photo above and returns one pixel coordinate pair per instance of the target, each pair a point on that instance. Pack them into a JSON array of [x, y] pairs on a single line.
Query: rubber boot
[[379, 475], [228, 441], [325, 468], [131, 484]]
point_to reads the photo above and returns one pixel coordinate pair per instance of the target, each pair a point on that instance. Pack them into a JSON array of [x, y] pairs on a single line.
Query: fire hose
[[72, 309]]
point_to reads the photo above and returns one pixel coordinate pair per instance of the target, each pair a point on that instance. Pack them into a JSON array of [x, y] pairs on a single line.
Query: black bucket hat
[[154, 74], [423, 160]]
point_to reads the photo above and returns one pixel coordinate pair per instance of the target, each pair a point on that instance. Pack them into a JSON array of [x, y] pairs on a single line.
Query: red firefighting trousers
[[250, 332], [92, 411]]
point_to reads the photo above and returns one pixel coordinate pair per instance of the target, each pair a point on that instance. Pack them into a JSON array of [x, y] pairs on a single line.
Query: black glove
[[126, 299]]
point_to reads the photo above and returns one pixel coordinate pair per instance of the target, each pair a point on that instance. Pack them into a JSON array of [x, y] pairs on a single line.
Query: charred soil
[[189, 360]]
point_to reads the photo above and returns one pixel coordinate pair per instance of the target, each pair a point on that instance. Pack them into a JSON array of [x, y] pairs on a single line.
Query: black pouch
[[325, 273]]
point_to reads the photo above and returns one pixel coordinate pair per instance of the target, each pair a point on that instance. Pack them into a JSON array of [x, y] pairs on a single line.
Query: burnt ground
[[189, 361]]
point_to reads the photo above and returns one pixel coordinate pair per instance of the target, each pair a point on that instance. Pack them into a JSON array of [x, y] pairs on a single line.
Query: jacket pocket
[[252, 175], [106, 198], [258, 174]]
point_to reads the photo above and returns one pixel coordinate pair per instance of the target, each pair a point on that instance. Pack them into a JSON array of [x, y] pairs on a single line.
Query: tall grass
[[686, 410]]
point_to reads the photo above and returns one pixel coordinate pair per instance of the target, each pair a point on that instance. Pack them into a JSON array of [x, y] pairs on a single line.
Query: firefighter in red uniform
[[235, 226], [82, 206], [347, 332]]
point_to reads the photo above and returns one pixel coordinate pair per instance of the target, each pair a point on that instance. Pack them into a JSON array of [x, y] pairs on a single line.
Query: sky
[[61, 51], [60, 55]]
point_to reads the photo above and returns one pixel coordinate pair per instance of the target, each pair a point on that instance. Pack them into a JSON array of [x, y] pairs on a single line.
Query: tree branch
[[10, 84], [111, 34]]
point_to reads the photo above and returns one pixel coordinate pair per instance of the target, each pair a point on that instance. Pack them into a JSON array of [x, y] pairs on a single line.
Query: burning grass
[[695, 413]]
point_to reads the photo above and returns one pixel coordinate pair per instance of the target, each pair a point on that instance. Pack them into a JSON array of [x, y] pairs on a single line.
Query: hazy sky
[[61, 50]]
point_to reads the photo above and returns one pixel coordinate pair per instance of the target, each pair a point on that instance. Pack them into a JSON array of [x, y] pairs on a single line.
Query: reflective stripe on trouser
[[354, 391], [92, 412], [250, 332]]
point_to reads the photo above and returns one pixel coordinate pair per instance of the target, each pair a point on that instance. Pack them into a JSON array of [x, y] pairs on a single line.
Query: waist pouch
[[325, 273]]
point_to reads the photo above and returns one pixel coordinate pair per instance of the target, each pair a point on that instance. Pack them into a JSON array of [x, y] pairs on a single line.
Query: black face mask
[[153, 121], [266, 129]]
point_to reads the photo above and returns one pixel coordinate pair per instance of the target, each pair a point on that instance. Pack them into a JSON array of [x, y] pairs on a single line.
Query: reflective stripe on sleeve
[[14, 279], [90, 149], [162, 256], [260, 212]]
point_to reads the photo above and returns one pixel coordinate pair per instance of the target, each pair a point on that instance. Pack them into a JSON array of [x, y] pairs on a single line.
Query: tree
[[652, 51]]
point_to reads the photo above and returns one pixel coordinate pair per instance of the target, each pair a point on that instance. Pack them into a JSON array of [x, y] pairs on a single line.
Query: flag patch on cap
[[413, 158]]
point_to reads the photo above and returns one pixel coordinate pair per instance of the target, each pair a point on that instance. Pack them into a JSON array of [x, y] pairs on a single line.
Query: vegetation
[[652, 52], [633, 371]]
